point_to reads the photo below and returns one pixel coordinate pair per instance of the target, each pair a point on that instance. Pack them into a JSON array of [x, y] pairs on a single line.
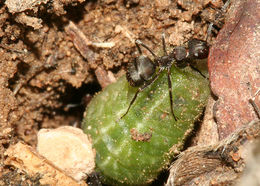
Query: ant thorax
[[165, 61]]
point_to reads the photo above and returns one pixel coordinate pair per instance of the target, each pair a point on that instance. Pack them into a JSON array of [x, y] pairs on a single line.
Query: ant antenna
[[138, 42], [217, 16], [164, 45]]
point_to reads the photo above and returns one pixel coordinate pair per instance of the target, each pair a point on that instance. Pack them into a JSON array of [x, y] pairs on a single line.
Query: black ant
[[142, 72]]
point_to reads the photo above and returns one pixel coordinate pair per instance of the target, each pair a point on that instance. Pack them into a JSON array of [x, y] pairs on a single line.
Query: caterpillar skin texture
[[133, 150]]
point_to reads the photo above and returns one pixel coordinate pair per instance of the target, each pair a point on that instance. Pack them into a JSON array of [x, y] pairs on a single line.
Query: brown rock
[[234, 67]]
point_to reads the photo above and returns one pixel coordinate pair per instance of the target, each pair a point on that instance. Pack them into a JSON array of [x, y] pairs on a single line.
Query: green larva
[[133, 150]]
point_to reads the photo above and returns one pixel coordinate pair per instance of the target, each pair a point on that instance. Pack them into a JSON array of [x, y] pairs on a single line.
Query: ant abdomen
[[141, 70], [198, 49]]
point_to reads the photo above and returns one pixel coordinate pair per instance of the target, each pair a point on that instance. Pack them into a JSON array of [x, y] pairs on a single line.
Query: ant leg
[[256, 108], [197, 70], [140, 89], [131, 103], [217, 16], [138, 47], [164, 45], [209, 30], [170, 91], [138, 42], [225, 6]]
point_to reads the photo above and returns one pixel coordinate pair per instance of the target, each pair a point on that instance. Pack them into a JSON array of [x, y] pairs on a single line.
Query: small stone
[[69, 149]]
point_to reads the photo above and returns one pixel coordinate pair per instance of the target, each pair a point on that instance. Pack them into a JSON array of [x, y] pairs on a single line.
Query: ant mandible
[[142, 72]]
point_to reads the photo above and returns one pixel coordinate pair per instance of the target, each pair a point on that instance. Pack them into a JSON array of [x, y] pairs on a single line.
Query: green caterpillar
[[133, 150]]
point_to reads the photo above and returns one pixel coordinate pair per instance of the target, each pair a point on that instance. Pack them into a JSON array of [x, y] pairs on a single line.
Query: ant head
[[198, 49], [142, 69]]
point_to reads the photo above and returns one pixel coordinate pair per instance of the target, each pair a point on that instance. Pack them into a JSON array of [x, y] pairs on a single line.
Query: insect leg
[[140, 89], [217, 17], [197, 70], [138, 42], [138, 47], [170, 91], [164, 45]]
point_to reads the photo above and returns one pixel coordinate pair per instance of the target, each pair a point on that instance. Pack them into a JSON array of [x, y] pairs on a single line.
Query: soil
[[49, 73]]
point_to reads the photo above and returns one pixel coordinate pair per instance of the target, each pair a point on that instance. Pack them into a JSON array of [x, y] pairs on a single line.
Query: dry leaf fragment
[[218, 164]]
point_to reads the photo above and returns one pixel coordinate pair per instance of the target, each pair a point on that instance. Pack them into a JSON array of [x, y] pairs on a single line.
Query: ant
[[142, 72]]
